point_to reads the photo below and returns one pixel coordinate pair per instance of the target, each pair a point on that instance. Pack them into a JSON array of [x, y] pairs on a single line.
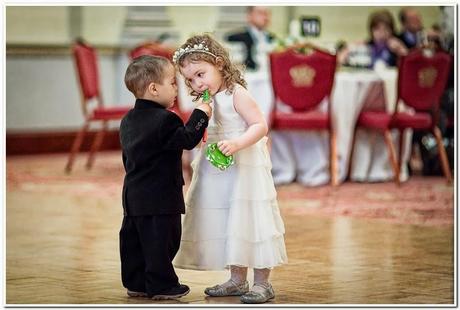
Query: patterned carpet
[[421, 200]]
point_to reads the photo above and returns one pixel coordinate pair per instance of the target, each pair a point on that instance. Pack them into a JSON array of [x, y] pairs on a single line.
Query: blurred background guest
[[434, 37], [411, 27], [384, 46], [255, 37]]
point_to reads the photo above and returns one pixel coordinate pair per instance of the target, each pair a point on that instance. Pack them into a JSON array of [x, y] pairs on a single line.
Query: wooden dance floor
[[357, 244]]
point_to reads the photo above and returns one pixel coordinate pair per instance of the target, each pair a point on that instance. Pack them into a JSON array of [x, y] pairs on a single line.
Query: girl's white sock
[[261, 276], [238, 274]]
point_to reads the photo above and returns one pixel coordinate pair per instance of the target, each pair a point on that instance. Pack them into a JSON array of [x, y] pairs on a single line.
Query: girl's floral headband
[[197, 48]]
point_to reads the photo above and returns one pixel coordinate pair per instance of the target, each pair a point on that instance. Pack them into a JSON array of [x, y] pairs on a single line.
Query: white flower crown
[[197, 48]]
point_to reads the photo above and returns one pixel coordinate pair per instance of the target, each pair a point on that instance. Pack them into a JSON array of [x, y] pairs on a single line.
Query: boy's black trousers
[[148, 245]]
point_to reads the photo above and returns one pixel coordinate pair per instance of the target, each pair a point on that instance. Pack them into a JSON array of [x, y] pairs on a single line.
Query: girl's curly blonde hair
[[231, 74]]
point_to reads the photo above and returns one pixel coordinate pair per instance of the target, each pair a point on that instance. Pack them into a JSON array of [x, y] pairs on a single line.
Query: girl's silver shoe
[[233, 290], [252, 297]]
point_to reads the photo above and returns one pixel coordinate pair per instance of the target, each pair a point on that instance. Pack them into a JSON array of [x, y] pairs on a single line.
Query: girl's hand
[[206, 108], [201, 101], [228, 147]]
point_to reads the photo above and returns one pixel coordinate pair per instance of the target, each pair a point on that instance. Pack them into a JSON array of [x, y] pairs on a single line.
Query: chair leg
[[96, 145], [350, 156], [333, 164], [76, 147], [401, 149], [392, 154], [442, 154], [401, 146]]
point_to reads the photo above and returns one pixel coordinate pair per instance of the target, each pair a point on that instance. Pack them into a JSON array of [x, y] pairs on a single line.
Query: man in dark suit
[[411, 22], [255, 36], [152, 140]]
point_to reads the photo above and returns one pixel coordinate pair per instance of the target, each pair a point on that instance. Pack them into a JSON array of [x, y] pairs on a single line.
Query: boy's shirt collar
[[147, 104]]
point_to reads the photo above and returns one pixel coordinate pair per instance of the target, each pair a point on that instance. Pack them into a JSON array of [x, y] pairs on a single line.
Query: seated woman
[[383, 45]]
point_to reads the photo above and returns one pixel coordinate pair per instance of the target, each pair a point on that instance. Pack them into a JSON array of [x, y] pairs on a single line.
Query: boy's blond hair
[[230, 72], [144, 70]]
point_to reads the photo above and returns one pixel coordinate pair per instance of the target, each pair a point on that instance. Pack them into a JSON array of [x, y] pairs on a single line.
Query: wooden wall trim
[[23, 143], [58, 50]]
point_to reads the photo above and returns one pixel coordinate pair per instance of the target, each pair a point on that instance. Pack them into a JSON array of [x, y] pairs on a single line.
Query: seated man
[[411, 34]]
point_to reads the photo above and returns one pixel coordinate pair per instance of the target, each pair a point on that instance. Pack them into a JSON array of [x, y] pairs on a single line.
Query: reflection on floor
[[357, 244]]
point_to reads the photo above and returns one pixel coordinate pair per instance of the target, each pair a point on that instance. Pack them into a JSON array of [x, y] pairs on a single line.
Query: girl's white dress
[[232, 216]]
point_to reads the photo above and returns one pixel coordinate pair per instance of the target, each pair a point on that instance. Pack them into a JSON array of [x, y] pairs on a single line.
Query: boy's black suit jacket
[[152, 140]]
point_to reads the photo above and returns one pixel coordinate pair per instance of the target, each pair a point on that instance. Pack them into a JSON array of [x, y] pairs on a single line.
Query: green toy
[[217, 158], [206, 96]]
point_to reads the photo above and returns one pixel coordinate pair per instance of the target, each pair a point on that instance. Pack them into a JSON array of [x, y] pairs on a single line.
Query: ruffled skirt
[[232, 216]]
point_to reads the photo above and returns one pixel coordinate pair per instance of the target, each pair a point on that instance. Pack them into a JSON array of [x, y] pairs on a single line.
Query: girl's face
[[201, 75], [381, 32]]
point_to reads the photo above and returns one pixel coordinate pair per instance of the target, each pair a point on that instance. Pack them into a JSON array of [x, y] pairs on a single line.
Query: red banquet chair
[[157, 49], [422, 78], [152, 48], [302, 81], [85, 58]]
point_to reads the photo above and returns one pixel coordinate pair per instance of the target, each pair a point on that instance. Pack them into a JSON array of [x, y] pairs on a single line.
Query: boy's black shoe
[[172, 293]]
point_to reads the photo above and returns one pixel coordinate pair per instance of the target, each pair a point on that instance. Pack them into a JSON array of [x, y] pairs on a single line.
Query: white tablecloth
[[260, 87]]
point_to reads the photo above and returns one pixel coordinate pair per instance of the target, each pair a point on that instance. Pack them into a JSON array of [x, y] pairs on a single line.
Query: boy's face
[[166, 91], [201, 75]]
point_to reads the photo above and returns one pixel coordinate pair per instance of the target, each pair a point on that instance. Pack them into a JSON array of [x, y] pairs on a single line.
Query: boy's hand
[[206, 108], [228, 147]]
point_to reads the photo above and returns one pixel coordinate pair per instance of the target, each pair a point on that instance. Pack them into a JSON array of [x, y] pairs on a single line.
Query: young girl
[[232, 218]]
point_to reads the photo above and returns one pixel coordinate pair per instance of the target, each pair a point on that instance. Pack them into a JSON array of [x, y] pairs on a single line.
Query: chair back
[[302, 81], [86, 63], [422, 79], [152, 48]]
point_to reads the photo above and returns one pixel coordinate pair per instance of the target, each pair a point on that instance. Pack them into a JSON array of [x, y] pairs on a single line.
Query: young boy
[[152, 140]]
